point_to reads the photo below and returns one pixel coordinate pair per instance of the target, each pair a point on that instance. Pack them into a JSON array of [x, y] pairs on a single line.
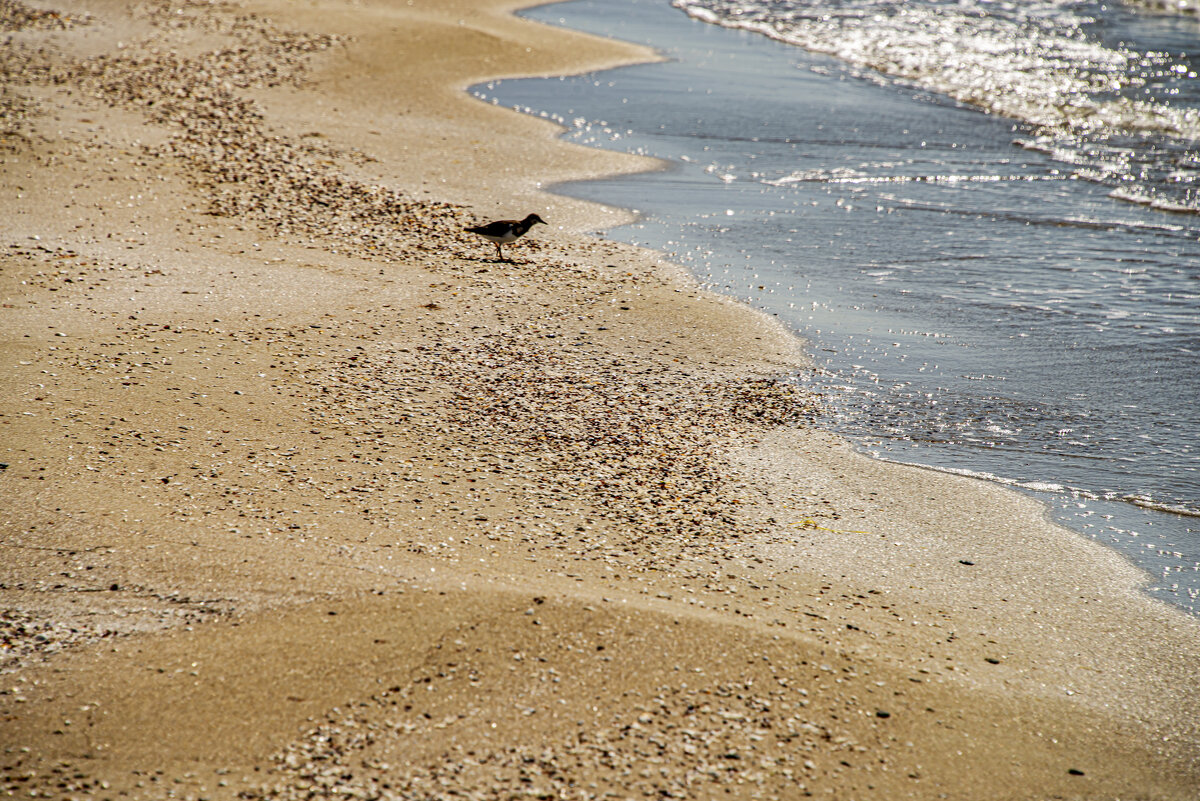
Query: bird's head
[[533, 218]]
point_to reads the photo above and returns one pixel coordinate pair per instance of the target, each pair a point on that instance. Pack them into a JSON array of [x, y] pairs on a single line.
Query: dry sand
[[305, 496]]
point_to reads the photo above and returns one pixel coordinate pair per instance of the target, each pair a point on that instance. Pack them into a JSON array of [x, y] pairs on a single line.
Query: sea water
[[983, 216]]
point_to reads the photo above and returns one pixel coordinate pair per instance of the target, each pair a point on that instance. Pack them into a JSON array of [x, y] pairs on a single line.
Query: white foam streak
[[1054, 488], [1184, 7], [1133, 195], [843, 175], [1158, 506]]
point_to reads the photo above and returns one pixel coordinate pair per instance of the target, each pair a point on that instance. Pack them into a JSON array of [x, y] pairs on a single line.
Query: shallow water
[[979, 295]]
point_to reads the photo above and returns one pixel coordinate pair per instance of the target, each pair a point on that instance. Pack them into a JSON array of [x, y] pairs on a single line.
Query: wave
[[1091, 104], [1036, 66]]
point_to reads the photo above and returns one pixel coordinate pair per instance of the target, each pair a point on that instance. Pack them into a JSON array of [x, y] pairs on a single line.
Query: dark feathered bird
[[504, 231]]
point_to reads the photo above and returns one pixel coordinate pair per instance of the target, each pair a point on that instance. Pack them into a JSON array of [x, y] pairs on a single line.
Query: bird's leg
[[499, 252]]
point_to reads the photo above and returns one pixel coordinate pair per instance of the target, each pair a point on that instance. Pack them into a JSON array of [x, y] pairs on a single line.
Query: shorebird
[[503, 231]]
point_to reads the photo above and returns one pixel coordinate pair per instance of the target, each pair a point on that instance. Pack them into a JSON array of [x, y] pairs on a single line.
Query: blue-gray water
[[983, 217]]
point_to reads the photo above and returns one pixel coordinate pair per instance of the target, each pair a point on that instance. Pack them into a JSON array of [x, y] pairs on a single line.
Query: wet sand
[[306, 496]]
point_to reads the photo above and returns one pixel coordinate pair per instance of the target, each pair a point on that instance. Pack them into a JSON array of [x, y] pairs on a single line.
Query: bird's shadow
[[493, 260]]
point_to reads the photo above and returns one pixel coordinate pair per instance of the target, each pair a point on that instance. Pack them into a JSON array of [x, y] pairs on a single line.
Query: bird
[[503, 231]]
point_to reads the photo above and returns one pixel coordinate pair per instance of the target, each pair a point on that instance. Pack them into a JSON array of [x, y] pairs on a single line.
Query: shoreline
[[292, 461], [682, 200], [684, 207]]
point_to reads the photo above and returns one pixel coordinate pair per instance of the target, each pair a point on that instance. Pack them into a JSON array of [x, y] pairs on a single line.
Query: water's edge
[[1159, 560]]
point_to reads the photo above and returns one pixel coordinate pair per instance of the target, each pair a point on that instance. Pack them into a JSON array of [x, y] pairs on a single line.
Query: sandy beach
[[306, 495]]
